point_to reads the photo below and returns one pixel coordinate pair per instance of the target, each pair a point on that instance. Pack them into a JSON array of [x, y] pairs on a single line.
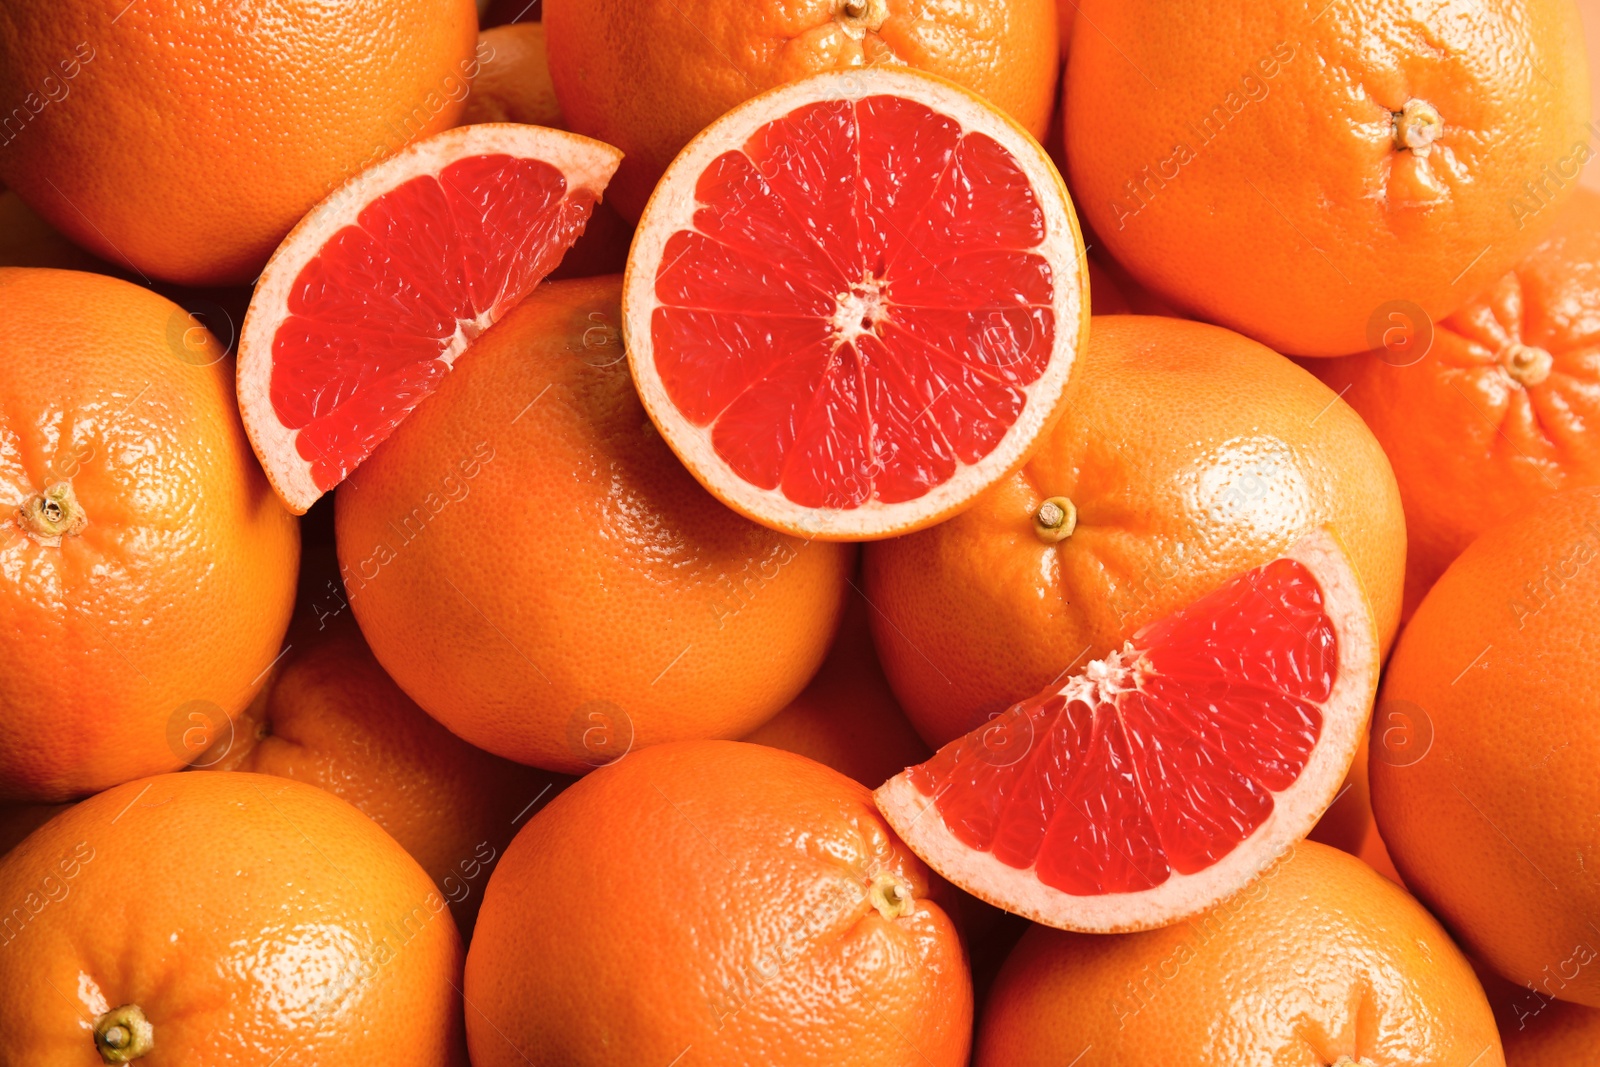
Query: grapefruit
[[183, 139], [1160, 779], [148, 569], [534, 568], [1293, 169], [1485, 787], [716, 903], [647, 75], [853, 302], [369, 300], [1320, 962], [1494, 408], [223, 918]]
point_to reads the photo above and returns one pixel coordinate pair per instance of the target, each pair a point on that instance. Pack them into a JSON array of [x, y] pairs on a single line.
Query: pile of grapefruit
[[844, 532]]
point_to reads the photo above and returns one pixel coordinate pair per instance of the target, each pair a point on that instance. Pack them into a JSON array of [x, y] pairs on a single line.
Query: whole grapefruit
[[744, 904], [1295, 169], [150, 569], [223, 918], [332, 718], [1484, 740]]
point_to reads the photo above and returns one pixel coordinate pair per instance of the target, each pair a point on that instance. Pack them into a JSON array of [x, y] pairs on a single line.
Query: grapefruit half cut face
[[370, 299], [853, 303], [1165, 777]]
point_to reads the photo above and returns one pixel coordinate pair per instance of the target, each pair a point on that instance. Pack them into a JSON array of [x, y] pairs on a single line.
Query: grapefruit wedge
[[1163, 778], [853, 302], [369, 300]]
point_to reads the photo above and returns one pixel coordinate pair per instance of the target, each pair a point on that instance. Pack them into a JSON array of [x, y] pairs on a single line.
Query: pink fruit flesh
[[860, 305], [430, 261], [1160, 758]]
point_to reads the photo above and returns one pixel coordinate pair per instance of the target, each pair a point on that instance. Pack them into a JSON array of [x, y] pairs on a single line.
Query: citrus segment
[[366, 305], [1167, 774], [854, 302]]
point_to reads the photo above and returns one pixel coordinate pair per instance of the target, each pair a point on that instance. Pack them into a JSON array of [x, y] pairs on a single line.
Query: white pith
[[1105, 679], [1296, 809], [586, 164], [671, 208], [859, 310]]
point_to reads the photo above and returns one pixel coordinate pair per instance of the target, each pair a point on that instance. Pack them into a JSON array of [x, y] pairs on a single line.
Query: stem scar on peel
[[1055, 520], [49, 516]]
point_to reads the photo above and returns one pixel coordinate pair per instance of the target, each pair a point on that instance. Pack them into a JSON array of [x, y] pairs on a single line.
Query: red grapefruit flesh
[[1164, 777], [853, 303], [367, 303]]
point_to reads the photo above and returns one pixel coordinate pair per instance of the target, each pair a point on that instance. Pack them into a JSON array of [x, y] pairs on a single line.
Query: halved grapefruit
[[370, 299], [1161, 779], [853, 302]]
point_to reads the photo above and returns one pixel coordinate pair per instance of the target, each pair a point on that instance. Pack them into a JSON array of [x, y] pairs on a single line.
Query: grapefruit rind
[[585, 163], [915, 816], [672, 207]]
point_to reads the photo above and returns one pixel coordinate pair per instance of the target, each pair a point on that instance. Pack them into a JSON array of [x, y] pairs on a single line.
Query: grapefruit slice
[[853, 302], [369, 300], [1163, 778]]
